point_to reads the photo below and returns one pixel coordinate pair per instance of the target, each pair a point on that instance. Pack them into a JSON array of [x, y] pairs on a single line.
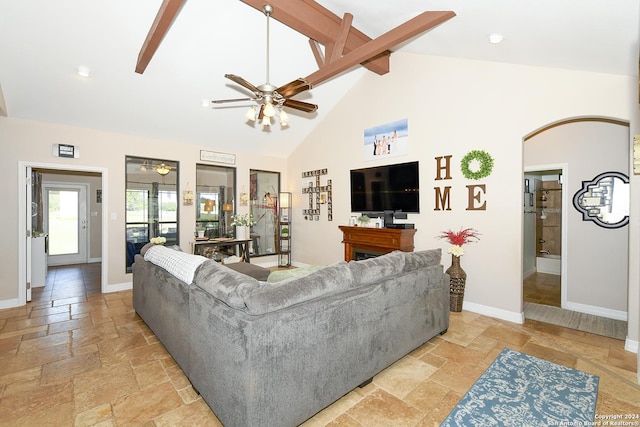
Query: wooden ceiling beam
[[167, 13], [345, 46], [317, 52], [337, 48], [320, 24], [413, 27]]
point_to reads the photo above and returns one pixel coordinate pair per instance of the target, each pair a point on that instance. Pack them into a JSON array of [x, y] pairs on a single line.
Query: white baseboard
[[596, 311], [485, 310], [631, 345], [117, 287], [10, 303], [300, 264], [92, 260], [266, 264]]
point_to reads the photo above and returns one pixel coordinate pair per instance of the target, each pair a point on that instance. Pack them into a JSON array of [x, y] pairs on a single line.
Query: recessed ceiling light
[[495, 38], [83, 71]]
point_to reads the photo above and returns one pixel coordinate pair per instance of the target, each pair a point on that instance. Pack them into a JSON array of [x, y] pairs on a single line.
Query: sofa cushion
[[229, 286], [275, 296], [372, 270], [421, 259], [181, 265], [255, 271], [280, 275]]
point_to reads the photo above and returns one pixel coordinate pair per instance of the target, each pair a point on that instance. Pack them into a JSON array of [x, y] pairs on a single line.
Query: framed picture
[[387, 140]]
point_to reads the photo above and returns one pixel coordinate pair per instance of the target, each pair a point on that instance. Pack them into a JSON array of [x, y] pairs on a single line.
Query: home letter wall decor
[[318, 195], [442, 196], [446, 167], [442, 199], [475, 196], [474, 165]]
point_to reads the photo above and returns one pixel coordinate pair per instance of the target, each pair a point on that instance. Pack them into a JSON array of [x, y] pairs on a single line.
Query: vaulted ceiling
[[42, 43]]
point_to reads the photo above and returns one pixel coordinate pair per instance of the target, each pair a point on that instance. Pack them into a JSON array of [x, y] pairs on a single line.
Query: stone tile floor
[[86, 359], [542, 288]]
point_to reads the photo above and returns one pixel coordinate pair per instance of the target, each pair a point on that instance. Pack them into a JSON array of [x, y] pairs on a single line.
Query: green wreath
[[486, 164]]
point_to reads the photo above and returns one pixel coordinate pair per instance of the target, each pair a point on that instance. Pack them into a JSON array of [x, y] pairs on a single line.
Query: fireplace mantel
[[376, 240]]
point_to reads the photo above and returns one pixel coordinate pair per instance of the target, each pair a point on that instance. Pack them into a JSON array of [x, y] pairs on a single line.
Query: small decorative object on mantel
[[242, 224], [158, 240], [363, 220], [458, 277]]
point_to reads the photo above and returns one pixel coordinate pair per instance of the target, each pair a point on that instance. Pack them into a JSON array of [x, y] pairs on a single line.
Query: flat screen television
[[386, 188]]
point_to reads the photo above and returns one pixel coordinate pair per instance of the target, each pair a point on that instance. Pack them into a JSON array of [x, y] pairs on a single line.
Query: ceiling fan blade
[[300, 105], [261, 112], [293, 88], [243, 82], [221, 101]]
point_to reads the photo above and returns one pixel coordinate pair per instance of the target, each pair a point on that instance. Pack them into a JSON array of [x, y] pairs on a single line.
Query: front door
[[66, 222]]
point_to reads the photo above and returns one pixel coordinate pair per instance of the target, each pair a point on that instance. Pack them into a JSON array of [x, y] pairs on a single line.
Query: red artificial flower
[[459, 238]]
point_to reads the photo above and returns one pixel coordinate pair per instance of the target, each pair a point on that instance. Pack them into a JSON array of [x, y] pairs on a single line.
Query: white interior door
[[66, 222]]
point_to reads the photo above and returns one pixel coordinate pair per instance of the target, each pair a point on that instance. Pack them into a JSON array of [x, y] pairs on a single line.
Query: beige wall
[[31, 142], [454, 106]]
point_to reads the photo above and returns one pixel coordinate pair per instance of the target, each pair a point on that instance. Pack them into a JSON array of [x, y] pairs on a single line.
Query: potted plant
[[363, 220], [457, 276], [284, 232], [241, 222]]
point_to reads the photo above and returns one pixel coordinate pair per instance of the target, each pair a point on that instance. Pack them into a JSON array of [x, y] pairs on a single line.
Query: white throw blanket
[[180, 264]]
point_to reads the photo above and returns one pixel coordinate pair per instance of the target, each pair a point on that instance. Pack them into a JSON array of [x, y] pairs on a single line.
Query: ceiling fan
[[271, 99]]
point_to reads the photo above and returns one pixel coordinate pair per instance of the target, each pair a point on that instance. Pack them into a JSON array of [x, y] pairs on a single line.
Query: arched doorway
[[593, 260]]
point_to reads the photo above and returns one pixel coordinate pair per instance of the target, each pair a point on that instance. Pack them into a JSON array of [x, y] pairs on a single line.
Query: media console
[[366, 242]]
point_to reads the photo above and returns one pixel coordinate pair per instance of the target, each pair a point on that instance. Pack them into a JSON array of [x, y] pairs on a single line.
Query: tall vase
[[457, 281], [241, 232]]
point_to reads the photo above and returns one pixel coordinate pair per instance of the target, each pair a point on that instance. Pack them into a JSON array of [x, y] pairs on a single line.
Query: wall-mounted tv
[[386, 188]]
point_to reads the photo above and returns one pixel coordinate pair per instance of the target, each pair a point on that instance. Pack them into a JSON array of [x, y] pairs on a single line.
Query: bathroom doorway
[[544, 231]]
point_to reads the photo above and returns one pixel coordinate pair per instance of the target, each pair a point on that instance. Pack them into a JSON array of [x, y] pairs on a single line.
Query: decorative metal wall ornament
[[604, 200], [317, 195]]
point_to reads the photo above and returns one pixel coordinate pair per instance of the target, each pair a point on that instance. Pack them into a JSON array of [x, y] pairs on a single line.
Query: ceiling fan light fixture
[[162, 169], [250, 115], [271, 99], [284, 118], [269, 109]]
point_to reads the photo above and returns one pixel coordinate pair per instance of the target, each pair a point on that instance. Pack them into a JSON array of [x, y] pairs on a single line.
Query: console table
[[199, 246], [375, 241]]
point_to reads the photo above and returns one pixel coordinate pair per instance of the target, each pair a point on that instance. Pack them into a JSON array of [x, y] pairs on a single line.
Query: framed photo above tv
[[387, 140]]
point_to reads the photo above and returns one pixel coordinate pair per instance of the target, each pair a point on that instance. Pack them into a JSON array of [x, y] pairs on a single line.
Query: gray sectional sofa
[[277, 353]]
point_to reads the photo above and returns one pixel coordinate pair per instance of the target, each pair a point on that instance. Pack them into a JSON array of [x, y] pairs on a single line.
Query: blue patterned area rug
[[522, 390]]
